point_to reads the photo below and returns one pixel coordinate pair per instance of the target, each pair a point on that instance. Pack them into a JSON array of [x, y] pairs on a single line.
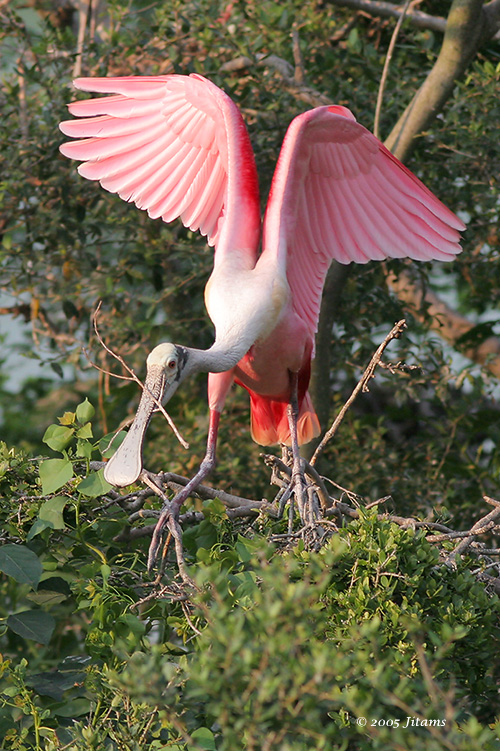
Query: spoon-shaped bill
[[125, 465]]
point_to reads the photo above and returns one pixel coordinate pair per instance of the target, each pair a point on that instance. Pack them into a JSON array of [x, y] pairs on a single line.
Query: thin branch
[[362, 385], [299, 73], [385, 71], [450, 325], [480, 527], [381, 9], [465, 32]]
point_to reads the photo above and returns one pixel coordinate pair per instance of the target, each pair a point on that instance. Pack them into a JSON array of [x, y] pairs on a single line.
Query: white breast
[[245, 303]]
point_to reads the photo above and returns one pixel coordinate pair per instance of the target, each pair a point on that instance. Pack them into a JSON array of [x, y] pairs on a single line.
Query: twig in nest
[[132, 377], [362, 385]]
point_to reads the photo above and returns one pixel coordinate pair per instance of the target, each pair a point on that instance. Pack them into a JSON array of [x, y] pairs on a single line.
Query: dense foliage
[[280, 648]]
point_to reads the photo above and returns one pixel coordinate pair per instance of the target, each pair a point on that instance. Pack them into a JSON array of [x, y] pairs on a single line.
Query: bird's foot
[[301, 492], [306, 496], [168, 521]]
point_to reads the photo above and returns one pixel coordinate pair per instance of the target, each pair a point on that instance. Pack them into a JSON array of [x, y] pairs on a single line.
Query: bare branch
[[429, 308], [381, 9], [388, 58], [482, 526], [466, 31], [362, 385]]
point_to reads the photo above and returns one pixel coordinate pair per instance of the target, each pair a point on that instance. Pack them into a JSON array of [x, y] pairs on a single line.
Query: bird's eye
[[171, 364]]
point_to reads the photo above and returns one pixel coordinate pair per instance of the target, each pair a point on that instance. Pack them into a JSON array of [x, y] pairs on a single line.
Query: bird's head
[[166, 369]]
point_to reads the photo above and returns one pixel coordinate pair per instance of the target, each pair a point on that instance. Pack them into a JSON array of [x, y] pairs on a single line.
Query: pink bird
[[177, 146]]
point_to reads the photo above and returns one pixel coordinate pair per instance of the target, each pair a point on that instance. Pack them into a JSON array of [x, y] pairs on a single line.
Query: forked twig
[[362, 385]]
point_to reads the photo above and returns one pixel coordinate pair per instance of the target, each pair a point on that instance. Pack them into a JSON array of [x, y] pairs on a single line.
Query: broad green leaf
[[21, 564], [85, 412], [110, 442], [50, 516], [74, 708], [85, 431], [58, 437], [44, 597], [56, 682], [94, 485], [54, 473], [32, 624], [84, 448], [204, 739]]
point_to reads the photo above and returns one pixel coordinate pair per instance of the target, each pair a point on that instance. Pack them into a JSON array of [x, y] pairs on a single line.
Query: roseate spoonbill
[[177, 146]]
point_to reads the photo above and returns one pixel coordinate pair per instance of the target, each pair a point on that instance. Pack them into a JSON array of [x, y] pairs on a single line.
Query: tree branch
[[450, 325], [466, 30], [381, 9], [362, 385]]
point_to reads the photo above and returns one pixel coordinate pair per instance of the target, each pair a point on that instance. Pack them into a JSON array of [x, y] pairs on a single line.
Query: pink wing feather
[[175, 146], [338, 193]]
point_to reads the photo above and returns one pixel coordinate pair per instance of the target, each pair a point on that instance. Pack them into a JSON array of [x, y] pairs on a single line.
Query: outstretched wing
[[174, 145], [338, 193]]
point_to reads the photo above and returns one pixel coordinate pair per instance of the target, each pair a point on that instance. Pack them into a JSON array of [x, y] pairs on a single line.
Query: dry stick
[[23, 110], [381, 9], [299, 73], [205, 492], [385, 70], [362, 385], [132, 377], [480, 527]]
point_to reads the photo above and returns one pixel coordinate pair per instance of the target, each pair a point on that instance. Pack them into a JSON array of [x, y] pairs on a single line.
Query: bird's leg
[[298, 482], [306, 497], [170, 511]]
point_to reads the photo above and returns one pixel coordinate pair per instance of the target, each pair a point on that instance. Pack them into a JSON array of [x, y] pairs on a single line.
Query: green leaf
[[46, 598], [21, 564], [68, 418], [56, 682], [84, 448], [85, 412], [33, 624], [54, 473], [85, 431], [110, 442], [94, 485], [204, 739], [58, 437], [74, 708], [50, 516]]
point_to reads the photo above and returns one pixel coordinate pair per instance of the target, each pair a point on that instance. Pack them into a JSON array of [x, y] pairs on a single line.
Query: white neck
[[217, 359]]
